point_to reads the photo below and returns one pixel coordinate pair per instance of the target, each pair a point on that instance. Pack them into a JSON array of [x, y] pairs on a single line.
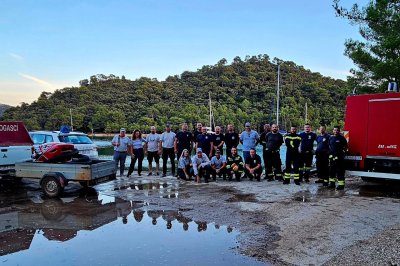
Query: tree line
[[243, 90]]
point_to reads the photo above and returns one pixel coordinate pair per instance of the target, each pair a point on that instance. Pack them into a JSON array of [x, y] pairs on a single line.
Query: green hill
[[244, 90], [3, 108]]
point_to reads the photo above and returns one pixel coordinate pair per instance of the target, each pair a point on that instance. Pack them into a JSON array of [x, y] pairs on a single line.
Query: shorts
[[151, 155]]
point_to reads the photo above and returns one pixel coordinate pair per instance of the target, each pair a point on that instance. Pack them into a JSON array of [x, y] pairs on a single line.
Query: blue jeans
[[120, 157]]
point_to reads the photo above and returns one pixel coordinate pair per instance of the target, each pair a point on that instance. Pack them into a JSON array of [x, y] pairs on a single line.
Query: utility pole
[[70, 115], [277, 96]]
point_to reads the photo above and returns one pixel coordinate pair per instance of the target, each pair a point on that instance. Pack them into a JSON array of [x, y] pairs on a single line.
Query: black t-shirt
[[184, 139], [231, 140], [253, 162], [273, 141], [204, 142], [195, 135], [217, 139]]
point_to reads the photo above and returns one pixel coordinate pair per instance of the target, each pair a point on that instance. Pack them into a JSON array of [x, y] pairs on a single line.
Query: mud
[[275, 224]]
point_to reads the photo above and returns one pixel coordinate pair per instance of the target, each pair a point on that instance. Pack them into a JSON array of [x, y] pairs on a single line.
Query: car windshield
[[76, 139]]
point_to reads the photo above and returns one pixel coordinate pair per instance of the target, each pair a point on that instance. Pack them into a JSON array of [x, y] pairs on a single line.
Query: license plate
[[102, 179]]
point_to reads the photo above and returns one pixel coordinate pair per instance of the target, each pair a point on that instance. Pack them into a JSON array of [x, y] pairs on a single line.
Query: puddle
[[103, 230], [380, 190]]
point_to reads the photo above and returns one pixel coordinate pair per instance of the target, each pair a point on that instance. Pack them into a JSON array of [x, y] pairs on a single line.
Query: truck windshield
[[76, 139]]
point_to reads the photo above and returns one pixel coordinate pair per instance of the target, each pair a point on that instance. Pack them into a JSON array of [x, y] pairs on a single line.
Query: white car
[[80, 140]]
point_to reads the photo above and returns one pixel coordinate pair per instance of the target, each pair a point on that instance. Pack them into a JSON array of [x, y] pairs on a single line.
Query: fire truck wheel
[[51, 186]]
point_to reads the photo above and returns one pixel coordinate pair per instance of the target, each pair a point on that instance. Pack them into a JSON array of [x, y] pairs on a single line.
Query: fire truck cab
[[372, 130]]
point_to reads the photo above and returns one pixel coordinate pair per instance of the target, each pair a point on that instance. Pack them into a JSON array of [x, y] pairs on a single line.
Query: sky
[[51, 44]]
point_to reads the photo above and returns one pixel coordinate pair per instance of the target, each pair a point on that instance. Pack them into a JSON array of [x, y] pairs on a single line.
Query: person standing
[[234, 166], [253, 167], [168, 149], [197, 132], [121, 143], [231, 139], [307, 150], [218, 141], [183, 140], [205, 142], [218, 165], [337, 149], [201, 166], [249, 139], [136, 152], [292, 141], [153, 148], [322, 156], [263, 142], [274, 140]]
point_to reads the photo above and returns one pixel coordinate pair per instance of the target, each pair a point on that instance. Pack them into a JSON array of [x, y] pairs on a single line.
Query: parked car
[[80, 140]]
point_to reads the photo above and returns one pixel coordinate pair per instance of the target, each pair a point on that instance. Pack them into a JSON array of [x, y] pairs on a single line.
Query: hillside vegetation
[[244, 90], [3, 108]]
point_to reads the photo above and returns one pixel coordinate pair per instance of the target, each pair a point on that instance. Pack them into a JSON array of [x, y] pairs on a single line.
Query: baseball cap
[[168, 125], [247, 124], [199, 150], [217, 151], [122, 130]]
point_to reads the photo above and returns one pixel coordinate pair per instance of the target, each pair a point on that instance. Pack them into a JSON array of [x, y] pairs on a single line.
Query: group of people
[[209, 161]]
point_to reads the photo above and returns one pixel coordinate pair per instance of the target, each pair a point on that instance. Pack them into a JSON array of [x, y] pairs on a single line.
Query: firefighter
[[322, 156], [234, 166], [292, 141], [273, 140], [337, 149], [307, 149]]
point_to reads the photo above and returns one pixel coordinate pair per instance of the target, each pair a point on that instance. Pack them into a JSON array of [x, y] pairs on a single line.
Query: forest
[[243, 90]]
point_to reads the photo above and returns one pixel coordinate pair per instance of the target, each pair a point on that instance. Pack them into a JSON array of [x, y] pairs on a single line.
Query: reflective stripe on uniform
[[296, 176], [332, 179], [340, 182]]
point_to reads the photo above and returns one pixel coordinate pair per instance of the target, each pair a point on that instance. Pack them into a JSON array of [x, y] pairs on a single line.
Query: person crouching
[[201, 166], [185, 170]]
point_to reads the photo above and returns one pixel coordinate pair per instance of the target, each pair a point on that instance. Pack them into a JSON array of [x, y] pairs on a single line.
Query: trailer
[[372, 128], [54, 177], [15, 146]]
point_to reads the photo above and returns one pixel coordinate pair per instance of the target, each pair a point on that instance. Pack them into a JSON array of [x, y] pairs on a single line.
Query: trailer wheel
[[51, 186]]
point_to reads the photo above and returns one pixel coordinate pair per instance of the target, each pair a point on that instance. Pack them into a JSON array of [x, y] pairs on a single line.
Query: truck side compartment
[[374, 147]]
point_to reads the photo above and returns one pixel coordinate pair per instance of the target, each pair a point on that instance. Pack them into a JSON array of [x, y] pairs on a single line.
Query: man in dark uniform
[[218, 141], [234, 165], [253, 167], [307, 149], [292, 141], [273, 140], [262, 141], [197, 132], [322, 156], [337, 149], [231, 139], [205, 142], [183, 140]]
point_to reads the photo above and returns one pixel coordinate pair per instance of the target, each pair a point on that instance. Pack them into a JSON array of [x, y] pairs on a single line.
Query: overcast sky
[[48, 45]]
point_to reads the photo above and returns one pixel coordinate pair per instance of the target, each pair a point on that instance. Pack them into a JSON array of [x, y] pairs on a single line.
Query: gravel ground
[[283, 224]]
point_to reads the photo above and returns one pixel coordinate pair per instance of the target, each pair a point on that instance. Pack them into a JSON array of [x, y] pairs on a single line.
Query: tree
[[377, 57]]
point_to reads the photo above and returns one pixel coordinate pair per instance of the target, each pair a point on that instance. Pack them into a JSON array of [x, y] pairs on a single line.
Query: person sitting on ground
[[201, 166], [185, 170], [253, 167], [234, 165], [218, 165]]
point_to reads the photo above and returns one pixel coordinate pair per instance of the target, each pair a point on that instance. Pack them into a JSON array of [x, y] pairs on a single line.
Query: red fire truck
[[372, 128]]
